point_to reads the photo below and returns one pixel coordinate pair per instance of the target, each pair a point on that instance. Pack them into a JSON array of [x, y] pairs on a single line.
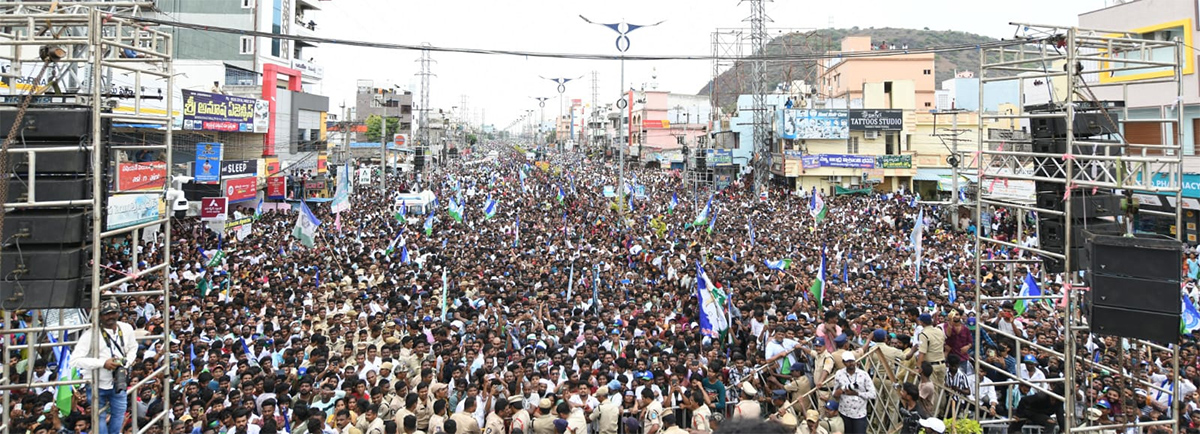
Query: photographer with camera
[[111, 361], [853, 389]]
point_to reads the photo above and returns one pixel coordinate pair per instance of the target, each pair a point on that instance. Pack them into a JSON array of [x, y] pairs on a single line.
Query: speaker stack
[[1091, 212], [1135, 285], [419, 159], [44, 258]]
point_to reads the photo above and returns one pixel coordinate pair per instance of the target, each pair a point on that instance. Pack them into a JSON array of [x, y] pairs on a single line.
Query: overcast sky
[[503, 85]]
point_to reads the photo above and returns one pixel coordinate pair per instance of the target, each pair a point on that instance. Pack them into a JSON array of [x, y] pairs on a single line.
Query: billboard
[[240, 189], [150, 175], [208, 162], [720, 157], [847, 161], [894, 161], [876, 120], [203, 111], [234, 168], [125, 210], [277, 187], [813, 124]]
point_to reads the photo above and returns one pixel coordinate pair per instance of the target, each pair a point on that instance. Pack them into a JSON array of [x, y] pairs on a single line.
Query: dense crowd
[[572, 311]]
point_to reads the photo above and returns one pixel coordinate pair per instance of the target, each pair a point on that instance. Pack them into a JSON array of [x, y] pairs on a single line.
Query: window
[[928, 104], [852, 145], [889, 140], [927, 72], [247, 4], [276, 26], [247, 45], [235, 76]]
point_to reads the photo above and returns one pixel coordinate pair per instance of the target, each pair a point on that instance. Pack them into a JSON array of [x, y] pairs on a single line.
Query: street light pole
[[622, 28]]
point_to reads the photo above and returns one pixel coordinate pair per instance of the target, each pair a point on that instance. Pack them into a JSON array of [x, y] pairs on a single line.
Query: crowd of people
[[552, 307]]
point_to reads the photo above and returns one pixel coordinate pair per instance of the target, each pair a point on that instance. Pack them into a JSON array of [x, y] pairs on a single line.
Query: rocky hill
[[736, 80]]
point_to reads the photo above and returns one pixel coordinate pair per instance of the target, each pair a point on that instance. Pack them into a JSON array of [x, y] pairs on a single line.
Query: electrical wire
[[579, 56]]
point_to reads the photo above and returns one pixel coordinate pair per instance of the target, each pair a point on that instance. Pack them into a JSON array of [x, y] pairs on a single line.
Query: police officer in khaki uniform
[[520, 417], [748, 407], [831, 421], [543, 423], [785, 414], [374, 422], [465, 420], [494, 424], [671, 426], [607, 415], [652, 412]]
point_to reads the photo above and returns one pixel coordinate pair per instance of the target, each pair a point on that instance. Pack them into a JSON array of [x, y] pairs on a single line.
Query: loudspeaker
[[1083, 205], [1055, 265], [1059, 146], [63, 122], [45, 260], [701, 158], [1135, 286], [1052, 231], [419, 160], [1161, 296], [1143, 256], [1085, 125], [1130, 323]]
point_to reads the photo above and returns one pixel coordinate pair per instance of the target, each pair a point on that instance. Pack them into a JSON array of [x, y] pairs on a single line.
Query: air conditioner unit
[[871, 135]]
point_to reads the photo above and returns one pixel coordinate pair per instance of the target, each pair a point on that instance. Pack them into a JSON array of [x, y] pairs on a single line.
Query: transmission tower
[[426, 73], [762, 119]]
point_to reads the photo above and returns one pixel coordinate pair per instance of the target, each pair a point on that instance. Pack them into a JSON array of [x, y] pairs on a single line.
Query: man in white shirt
[[111, 361], [854, 389], [1029, 369]]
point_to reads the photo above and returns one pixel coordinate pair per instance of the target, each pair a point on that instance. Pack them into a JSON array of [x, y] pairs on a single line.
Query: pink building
[[664, 122]]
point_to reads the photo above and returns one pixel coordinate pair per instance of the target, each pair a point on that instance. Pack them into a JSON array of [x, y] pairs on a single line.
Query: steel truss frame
[[1039, 52], [97, 44]]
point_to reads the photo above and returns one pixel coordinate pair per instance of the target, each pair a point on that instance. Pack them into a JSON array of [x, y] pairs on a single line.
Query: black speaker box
[[193, 192], [51, 189], [68, 122], [46, 226], [1143, 256], [51, 163], [1161, 296], [1055, 265], [1083, 204], [1085, 125], [42, 263], [1130, 323], [1059, 146], [45, 294], [1052, 231]]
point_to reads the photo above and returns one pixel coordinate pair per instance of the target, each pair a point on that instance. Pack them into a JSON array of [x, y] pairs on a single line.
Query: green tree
[[551, 137], [393, 127], [471, 139]]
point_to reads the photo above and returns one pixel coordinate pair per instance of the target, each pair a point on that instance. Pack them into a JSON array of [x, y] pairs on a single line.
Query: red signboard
[[656, 123], [277, 187], [400, 139], [314, 185], [241, 188], [213, 208], [151, 175]]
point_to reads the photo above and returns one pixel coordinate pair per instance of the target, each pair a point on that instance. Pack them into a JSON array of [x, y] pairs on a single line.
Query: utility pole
[[383, 146]]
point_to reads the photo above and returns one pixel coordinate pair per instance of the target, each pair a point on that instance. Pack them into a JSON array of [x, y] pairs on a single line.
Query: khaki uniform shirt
[[521, 421], [543, 424], [748, 410], [933, 344], [652, 417], [466, 423], [494, 424]]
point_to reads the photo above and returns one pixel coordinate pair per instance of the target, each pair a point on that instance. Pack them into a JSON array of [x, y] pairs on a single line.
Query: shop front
[[1166, 203]]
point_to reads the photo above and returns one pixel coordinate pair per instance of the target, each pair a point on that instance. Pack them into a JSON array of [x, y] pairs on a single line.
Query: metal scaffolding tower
[[1040, 55], [95, 44], [426, 75], [762, 119], [727, 52]]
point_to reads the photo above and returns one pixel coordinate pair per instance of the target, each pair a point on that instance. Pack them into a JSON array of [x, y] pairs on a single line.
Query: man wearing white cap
[[853, 388], [749, 407]]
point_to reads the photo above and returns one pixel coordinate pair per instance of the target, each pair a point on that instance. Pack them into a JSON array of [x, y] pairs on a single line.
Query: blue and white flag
[[674, 203], [952, 287], [489, 208], [404, 259], [306, 226], [1191, 317], [916, 239], [712, 305]]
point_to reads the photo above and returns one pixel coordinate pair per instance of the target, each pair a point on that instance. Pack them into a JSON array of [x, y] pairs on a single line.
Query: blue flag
[[404, 255], [751, 225], [952, 287], [1191, 318]]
